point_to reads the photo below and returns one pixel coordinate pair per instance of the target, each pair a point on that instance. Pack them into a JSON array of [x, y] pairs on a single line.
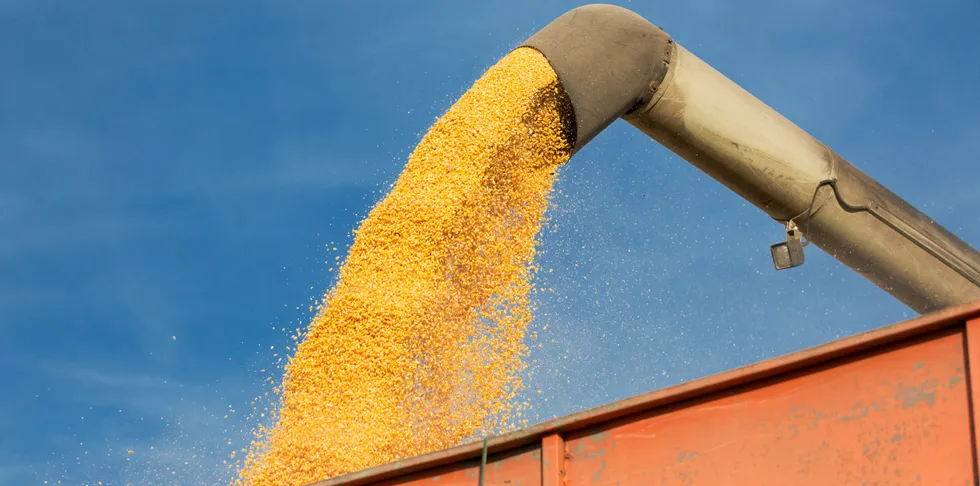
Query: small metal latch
[[789, 253]]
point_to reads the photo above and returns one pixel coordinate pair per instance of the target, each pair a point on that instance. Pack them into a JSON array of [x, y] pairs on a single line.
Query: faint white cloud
[[92, 377], [192, 447], [37, 232], [298, 168]]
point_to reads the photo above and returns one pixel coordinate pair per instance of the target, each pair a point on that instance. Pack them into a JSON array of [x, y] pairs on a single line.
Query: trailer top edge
[[883, 336]]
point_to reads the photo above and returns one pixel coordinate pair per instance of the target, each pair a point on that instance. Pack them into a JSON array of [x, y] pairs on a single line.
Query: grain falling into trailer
[[420, 345]]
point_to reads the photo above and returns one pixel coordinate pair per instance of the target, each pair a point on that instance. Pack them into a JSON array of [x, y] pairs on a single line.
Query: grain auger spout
[[612, 64]]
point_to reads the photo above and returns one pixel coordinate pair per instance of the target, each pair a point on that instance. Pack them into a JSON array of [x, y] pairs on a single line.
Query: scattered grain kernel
[[420, 345]]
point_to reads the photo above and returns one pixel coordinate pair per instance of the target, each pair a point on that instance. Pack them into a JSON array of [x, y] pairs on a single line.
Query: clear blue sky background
[[170, 173]]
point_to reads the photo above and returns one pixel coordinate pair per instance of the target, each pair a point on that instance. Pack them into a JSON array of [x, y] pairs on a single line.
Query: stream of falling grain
[[420, 345]]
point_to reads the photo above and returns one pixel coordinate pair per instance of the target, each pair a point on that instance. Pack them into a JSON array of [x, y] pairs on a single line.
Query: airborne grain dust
[[420, 345]]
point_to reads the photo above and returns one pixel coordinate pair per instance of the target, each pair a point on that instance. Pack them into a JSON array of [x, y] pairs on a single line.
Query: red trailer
[[893, 406]]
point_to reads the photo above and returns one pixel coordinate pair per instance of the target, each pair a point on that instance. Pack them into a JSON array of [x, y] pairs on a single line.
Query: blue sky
[[173, 175]]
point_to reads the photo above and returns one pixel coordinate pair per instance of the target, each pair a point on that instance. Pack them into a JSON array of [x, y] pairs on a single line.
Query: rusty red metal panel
[[552, 460], [896, 416], [509, 468], [972, 331], [883, 336], [814, 367]]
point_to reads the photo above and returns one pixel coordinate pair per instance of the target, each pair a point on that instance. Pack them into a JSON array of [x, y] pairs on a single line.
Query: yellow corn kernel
[[420, 344]]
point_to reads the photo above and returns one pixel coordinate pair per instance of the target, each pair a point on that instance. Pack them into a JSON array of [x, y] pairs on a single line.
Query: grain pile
[[420, 345]]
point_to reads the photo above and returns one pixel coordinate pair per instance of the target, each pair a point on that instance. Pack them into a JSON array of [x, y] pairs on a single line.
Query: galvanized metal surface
[[616, 80], [753, 150], [892, 406], [613, 63]]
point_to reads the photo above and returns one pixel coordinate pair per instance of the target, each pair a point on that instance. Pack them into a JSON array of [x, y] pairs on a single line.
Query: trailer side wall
[[892, 406]]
